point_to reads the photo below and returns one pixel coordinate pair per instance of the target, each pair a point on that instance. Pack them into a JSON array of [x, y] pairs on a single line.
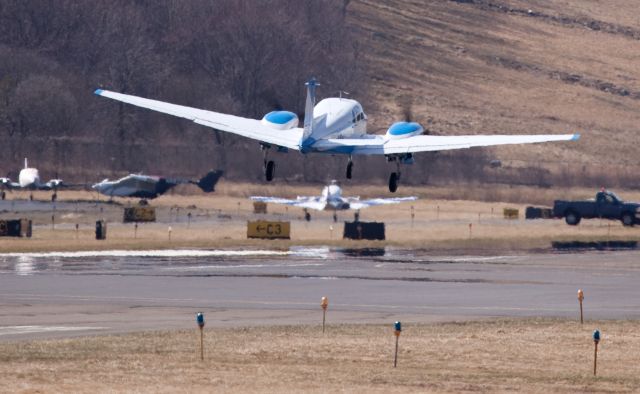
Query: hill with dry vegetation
[[476, 66], [458, 67]]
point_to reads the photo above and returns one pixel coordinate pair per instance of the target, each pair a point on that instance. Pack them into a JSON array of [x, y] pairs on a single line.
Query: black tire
[[627, 219], [3, 195], [31, 197], [54, 197], [307, 216], [572, 218], [349, 170], [335, 218], [269, 171], [393, 182]]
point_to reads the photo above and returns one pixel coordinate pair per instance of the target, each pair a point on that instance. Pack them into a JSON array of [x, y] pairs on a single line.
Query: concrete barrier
[[16, 228], [139, 214], [364, 230]]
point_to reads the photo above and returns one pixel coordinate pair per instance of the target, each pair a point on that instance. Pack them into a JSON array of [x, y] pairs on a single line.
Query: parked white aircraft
[[29, 178], [332, 200], [334, 125]]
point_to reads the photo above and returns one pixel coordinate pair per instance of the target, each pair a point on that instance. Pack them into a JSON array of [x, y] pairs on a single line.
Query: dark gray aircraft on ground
[[149, 187]]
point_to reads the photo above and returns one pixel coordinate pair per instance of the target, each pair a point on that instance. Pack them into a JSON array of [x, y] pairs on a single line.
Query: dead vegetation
[[458, 67], [504, 355], [219, 221]]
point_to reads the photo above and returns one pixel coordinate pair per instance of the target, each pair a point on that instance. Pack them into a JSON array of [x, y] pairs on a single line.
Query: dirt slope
[[475, 66]]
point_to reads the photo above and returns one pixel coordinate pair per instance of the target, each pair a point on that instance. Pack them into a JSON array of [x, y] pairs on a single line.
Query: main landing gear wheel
[[3, 195], [54, 197], [269, 170], [349, 169], [31, 197], [307, 216], [335, 218], [393, 182]]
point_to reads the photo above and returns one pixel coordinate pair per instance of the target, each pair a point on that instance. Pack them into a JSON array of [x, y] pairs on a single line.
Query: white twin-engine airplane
[[29, 178], [334, 126], [332, 200]]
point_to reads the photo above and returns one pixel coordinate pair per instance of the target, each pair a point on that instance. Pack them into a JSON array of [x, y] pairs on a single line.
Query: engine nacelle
[[280, 120], [400, 130]]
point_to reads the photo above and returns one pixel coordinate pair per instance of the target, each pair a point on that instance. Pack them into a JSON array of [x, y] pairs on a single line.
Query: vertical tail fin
[[208, 182], [308, 110]]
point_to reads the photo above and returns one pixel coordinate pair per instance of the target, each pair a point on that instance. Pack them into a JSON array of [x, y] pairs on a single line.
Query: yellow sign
[[510, 213], [269, 230]]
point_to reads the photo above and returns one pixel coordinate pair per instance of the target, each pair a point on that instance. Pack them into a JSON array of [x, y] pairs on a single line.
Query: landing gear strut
[[349, 168], [54, 197], [394, 178], [269, 165]]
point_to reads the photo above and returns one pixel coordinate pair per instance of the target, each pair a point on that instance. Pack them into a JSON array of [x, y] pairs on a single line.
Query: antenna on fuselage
[[343, 91], [26, 164]]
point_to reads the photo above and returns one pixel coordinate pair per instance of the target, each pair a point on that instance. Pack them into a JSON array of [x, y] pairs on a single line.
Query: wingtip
[[98, 92], [575, 137]]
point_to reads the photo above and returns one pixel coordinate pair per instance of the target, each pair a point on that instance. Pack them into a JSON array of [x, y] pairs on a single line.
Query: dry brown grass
[[490, 356], [219, 220]]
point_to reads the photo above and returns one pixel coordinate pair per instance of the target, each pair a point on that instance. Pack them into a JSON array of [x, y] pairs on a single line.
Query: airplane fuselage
[[29, 178], [138, 186], [332, 197]]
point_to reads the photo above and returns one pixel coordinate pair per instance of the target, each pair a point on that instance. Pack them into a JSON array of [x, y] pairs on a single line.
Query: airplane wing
[[425, 143], [245, 127], [304, 202], [5, 183], [378, 201]]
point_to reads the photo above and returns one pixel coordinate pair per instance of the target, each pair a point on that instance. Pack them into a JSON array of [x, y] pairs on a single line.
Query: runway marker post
[[470, 229], [169, 230], [580, 298], [77, 229], [135, 231], [330, 231], [397, 330], [413, 215], [324, 303], [200, 321], [596, 339]]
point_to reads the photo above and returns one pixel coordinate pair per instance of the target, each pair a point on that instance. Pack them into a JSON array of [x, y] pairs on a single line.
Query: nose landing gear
[[349, 168]]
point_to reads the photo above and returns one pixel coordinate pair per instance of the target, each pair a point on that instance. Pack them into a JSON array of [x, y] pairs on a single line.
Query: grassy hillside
[[474, 66]]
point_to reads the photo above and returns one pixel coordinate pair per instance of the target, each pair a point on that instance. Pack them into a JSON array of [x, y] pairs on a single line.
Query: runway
[[47, 295]]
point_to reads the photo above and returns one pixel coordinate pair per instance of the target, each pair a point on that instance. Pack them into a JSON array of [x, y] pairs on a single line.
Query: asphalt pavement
[[49, 295]]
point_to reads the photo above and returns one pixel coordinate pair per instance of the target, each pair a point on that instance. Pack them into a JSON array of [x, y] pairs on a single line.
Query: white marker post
[[169, 230], [200, 321], [596, 339], [324, 303], [580, 298], [398, 330]]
